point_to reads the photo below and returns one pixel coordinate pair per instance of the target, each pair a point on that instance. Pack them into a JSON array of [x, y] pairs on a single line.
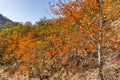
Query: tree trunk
[[100, 75]]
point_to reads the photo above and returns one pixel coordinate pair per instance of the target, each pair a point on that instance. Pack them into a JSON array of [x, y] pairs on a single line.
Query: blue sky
[[25, 10]]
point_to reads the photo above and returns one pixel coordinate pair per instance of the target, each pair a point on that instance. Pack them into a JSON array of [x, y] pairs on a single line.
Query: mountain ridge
[[4, 20]]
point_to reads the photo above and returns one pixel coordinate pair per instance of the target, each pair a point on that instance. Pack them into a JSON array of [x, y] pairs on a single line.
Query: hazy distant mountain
[[4, 20]]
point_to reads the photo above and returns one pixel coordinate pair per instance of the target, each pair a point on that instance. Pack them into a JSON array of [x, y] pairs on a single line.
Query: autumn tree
[[3, 46], [85, 27]]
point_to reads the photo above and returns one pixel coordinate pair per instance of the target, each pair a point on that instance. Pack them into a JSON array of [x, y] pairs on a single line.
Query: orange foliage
[[76, 31], [64, 62], [80, 26]]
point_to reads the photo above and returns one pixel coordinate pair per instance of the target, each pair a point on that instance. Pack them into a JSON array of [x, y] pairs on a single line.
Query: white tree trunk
[[100, 77]]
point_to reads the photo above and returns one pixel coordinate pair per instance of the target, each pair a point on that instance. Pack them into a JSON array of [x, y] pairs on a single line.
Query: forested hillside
[[5, 22], [83, 43], [3, 19]]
